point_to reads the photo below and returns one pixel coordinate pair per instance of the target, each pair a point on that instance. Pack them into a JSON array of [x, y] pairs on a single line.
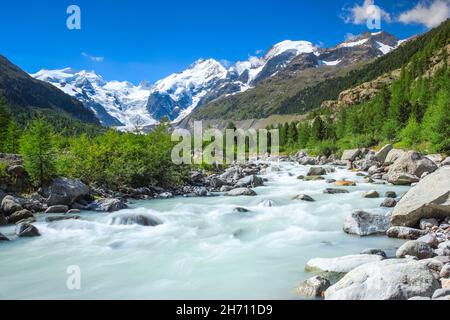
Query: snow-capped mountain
[[177, 95], [115, 103], [125, 105]]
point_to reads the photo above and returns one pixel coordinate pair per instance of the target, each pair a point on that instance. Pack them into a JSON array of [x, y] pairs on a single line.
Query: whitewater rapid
[[202, 250]]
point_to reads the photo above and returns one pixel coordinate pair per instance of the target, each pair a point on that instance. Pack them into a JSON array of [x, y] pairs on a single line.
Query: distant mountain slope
[[115, 103], [298, 87], [23, 93]]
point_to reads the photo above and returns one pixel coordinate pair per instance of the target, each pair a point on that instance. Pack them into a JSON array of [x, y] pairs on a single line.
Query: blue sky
[[147, 40]]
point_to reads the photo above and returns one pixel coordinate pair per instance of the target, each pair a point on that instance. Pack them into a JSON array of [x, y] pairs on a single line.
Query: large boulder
[[402, 178], [351, 155], [341, 264], [405, 233], [10, 205], [107, 205], [393, 156], [410, 164], [418, 249], [19, 215], [57, 209], [316, 171], [241, 192], [314, 287], [135, 219], [381, 155], [26, 230], [385, 280], [63, 191], [429, 199], [250, 182], [364, 224]]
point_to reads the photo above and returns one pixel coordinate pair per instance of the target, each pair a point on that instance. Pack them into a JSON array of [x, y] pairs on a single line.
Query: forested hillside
[[413, 112]]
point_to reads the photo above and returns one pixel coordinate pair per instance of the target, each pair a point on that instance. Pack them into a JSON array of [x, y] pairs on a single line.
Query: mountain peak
[[297, 47]]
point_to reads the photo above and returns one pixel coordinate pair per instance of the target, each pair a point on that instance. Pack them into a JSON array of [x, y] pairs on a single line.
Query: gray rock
[[19, 215], [381, 155], [63, 191], [335, 191], [26, 230], [316, 171], [241, 192], [73, 211], [250, 182], [405, 233], [413, 248], [393, 156], [308, 161], [304, 197], [371, 194], [430, 239], [136, 219], [341, 264], [314, 287], [428, 223], [216, 182], [10, 205], [364, 224], [241, 210], [267, 204], [108, 205], [57, 209], [378, 252], [385, 280], [408, 167], [436, 158], [389, 203], [163, 195], [446, 162], [3, 220], [402, 179], [390, 194], [329, 181], [440, 293], [445, 271], [61, 218], [226, 188], [429, 199], [3, 237], [351, 155]]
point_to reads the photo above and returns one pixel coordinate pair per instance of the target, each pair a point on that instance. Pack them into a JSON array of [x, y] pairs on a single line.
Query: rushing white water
[[203, 249]]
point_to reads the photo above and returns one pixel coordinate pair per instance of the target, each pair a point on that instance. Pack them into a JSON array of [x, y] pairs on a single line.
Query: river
[[202, 249]]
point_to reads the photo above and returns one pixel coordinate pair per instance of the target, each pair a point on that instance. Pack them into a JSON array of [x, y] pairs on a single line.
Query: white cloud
[[93, 58], [430, 14], [349, 36], [360, 14]]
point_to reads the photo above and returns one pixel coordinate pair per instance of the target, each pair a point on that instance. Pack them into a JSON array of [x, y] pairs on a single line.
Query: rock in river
[[335, 191], [314, 287], [385, 280], [10, 205], [342, 264], [26, 230], [303, 197], [136, 219], [409, 167], [429, 199], [57, 209], [364, 224], [241, 192], [107, 205]]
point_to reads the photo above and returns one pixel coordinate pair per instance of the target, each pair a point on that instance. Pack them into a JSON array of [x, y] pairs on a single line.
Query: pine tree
[[37, 150], [12, 139], [5, 118]]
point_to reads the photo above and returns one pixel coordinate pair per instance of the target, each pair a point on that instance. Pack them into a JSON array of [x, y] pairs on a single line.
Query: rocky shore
[[420, 269]]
